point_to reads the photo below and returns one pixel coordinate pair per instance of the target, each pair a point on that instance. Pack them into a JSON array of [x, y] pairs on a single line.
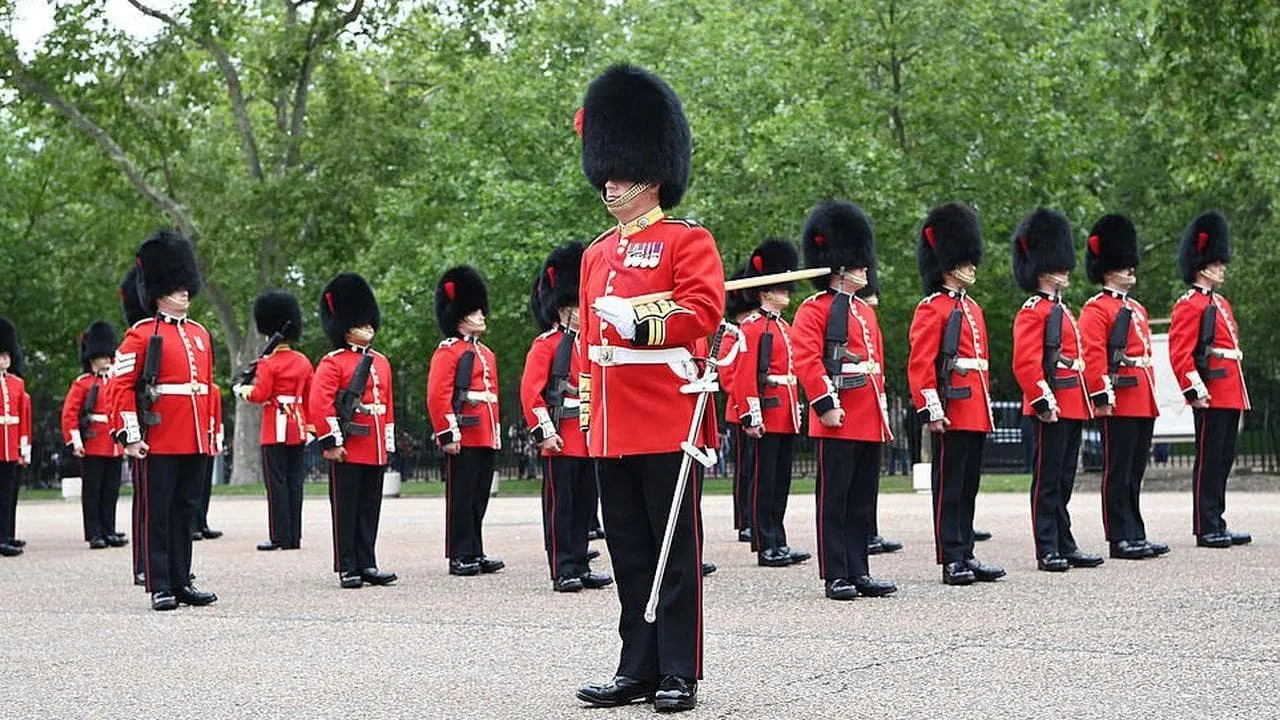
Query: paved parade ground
[[1190, 635]]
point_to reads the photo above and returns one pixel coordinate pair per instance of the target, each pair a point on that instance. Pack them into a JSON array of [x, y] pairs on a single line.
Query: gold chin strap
[[968, 277], [631, 194], [1215, 277]]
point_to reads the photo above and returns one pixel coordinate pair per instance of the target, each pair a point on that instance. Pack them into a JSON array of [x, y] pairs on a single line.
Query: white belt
[[1141, 361], [781, 379], [972, 364], [374, 409], [97, 417], [866, 367], [477, 396], [572, 402], [1227, 353], [1076, 364], [608, 356], [191, 388], [9, 420], [288, 399]]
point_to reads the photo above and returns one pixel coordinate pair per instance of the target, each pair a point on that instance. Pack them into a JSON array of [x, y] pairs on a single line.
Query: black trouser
[[99, 491], [743, 473], [172, 487], [137, 513], [636, 494], [848, 481], [568, 504], [8, 495], [771, 486], [1126, 443], [468, 479], [355, 499], [1216, 431], [283, 471], [200, 513], [1053, 475], [957, 471]]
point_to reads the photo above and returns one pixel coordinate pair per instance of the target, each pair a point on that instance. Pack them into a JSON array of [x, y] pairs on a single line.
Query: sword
[[744, 283]]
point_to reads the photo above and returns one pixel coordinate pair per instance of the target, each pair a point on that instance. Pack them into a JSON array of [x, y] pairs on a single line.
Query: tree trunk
[[246, 464]]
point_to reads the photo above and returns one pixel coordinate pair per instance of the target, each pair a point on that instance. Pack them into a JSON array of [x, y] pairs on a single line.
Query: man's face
[[626, 200], [100, 363], [180, 298], [472, 324], [360, 335], [775, 298], [1215, 272], [964, 275], [569, 317], [1058, 280], [1122, 280], [4, 361]]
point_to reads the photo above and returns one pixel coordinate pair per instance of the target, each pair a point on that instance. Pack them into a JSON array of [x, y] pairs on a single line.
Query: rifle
[[1052, 345], [834, 352], [1117, 341], [350, 398], [90, 401], [763, 361], [558, 382], [147, 390], [1204, 346], [462, 384], [250, 370], [947, 352]]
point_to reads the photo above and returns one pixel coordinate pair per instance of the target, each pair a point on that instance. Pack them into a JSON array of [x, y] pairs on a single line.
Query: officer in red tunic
[[1121, 382], [839, 355], [549, 397], [948, 373], [1204, 350], [768, 400], [353, 409], [1048, 363], [15, 433], [737, 306], [134, 312], [86, 431], [170, 438], [639, 391], [462, 405], [280, 383]]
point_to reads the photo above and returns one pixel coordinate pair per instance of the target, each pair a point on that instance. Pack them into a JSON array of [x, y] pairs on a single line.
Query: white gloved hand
[[618, 312], [241, 391]]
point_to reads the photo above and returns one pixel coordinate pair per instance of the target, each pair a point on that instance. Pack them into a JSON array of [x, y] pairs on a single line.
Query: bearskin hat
[[633, 128], [166, 262], [737, 302], [131, 300], [276, 311], [535, 306], [1113, 245], [837, 235], [950, 237], [98, 340], [9, 343], [556, 286], [347, 302], [460, 292], [771, 256], [1206, 240], [1042, 243]]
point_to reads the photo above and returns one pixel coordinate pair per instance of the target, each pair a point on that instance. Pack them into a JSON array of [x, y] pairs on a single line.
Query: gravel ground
[[1190, 635]]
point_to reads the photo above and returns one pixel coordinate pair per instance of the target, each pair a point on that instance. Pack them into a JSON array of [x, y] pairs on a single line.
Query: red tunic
[[185, 376], [1067, 393], [1096, 319], [15, 420], [482, 395], [377, 413], [776, 405], [537, 374], [281, 386], [971, 413], [866, 416], [97, 442], [633, 386], [1227, 391]]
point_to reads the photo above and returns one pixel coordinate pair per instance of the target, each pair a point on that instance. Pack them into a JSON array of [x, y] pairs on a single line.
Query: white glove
[[390, 437], [618, 312], [241, 391]]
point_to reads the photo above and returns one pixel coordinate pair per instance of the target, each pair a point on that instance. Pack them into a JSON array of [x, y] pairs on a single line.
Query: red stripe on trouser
[[756, 540], [146, 522], [1106, 470]]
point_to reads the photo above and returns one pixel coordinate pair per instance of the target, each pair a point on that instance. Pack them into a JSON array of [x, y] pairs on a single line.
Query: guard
[[86, 417], [15, 433], [1204, 350]]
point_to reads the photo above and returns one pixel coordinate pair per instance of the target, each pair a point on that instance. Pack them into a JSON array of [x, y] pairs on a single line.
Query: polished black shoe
[[981, 535], [98, 543], [593, 580], [1239, 538], [350, 580], [744, 535], [211, 534], [163, 601], [116, 540], [7, 550], [957, 573], [1052, 562], [292, 546], [773, 557], [140, 579], [984, 573], [465, 568], [879, 545], [797, 556], [593, 554], [870, 587], [1214, 540], [18, 542], [1132, 550], [567, 584], [374, 576], [597, 534], [675, 694], [1079, 559], [490, 564], [191, 595], [618, 691], [1157, 548], [267, 546], [708, 568], [841, 589]]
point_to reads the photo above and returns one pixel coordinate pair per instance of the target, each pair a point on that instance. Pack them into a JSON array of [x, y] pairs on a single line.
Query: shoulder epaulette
[[140, 322], [193, 322], [681, 221], [1187, 295], [1031, 302], [333, 352], [814, 296], [548, 333], [751, 317], [447, 342], [928, 299], [81, 376], [1095, 297]]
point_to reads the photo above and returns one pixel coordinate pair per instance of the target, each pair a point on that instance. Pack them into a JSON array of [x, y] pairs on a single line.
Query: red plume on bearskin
[[1113, 245], [837, 235], [460, 292], [950, 237], [1206, 240], [347, 301]]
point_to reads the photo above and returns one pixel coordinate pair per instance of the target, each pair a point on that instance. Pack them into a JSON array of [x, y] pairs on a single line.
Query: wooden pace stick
[[744, 283]]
